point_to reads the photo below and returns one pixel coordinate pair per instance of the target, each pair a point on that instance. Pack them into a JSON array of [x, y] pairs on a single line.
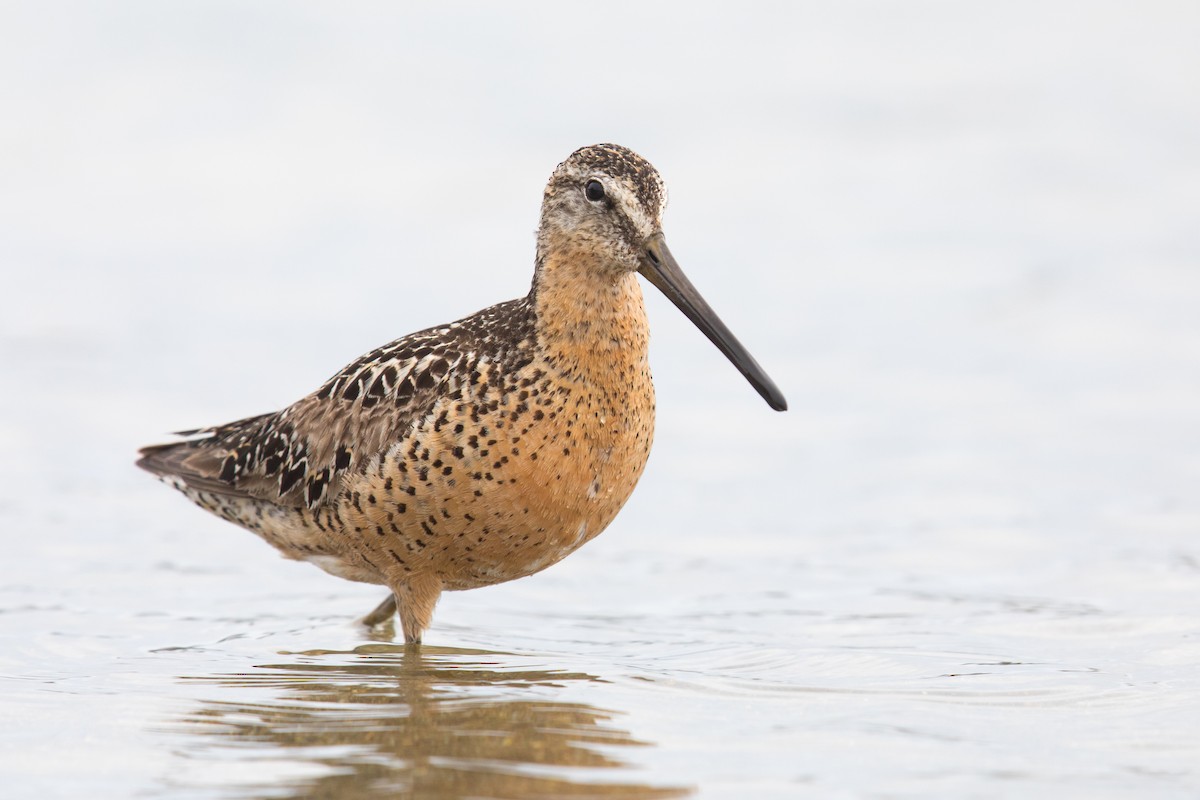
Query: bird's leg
[[382, 613], [416, 598]]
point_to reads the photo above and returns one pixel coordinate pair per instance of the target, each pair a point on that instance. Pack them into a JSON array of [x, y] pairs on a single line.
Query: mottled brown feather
[[470, 453], [299, 456]]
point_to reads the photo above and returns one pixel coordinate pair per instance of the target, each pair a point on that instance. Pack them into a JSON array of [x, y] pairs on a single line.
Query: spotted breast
[[483, 450]]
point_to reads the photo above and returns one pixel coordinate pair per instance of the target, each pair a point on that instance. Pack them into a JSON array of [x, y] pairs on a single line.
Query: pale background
[[962, 237]]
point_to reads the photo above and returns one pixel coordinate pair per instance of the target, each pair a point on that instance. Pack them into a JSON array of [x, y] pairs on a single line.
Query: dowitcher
[[483, 450]]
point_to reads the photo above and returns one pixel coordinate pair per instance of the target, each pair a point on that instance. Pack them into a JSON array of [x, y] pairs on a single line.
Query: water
[[962, 239]]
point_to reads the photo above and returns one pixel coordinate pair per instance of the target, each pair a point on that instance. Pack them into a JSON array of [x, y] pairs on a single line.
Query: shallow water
[[964, 564]]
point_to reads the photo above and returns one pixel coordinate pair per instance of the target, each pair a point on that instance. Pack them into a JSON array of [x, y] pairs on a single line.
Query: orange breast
[[480, 494]]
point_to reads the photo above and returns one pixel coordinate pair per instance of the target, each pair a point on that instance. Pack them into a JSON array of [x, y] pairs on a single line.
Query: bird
[[482, 450]]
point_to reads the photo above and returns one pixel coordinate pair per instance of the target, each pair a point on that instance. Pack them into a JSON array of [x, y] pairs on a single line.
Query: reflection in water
[[439, 722]]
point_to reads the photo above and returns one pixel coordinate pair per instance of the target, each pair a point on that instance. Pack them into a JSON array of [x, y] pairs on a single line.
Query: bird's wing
[[299, 456]]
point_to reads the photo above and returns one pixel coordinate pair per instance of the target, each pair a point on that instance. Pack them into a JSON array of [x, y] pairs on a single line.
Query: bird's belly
[[342, 568], [497, 499]]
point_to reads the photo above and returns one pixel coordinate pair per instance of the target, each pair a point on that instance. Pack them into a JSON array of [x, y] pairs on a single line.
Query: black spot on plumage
[[341, 459], [291, 477], [384, 381], [404, 391]]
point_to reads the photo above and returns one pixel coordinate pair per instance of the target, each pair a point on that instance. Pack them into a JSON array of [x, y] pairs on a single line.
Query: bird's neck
[[590, 316]]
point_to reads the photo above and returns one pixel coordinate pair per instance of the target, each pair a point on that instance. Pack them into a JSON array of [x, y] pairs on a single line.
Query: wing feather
[[299, 456]]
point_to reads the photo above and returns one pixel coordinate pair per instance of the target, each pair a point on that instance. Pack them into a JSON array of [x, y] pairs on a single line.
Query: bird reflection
[[386, 721]]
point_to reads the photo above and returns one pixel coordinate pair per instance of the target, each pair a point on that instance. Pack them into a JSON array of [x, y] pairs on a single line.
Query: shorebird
[[486, 449]]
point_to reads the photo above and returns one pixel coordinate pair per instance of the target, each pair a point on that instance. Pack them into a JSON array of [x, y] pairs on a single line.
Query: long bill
[[660, 268]]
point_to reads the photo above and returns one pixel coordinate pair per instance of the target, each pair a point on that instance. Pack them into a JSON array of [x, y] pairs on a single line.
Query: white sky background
[[942, 227], [964, 238]]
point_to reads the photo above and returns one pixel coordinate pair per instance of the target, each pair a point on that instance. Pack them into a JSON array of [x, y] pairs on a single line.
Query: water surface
[[962, 240]]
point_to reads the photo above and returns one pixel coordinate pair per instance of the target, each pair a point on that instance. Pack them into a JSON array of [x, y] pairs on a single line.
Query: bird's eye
[[594, 191]]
